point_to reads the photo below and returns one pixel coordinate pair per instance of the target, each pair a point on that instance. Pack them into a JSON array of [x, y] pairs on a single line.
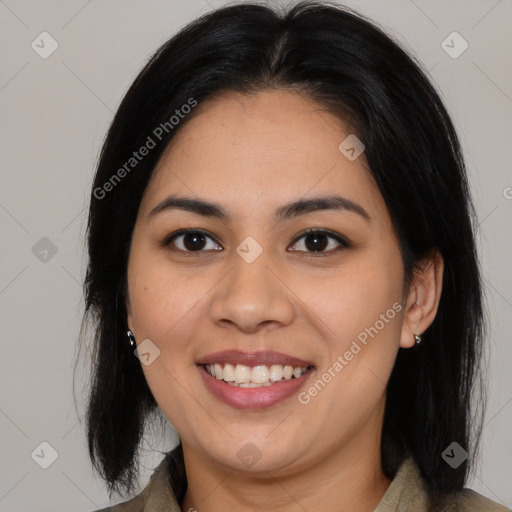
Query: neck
[[350, 475]]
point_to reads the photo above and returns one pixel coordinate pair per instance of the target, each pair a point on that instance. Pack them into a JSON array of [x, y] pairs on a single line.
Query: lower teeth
[[254, 385], [250, 384]]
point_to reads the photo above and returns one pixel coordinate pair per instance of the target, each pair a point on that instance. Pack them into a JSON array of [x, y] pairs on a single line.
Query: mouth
[[256, 380]]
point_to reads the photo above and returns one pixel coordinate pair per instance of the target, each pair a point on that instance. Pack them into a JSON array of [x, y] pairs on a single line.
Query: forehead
[[276, 126], [251, 152]]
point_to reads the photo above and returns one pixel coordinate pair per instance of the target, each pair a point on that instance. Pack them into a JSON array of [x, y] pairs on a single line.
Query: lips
[[235, 357], [261, 396]]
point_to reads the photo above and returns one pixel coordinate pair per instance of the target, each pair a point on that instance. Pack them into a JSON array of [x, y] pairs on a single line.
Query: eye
[[314, 240], [191, 240], [319, 241]]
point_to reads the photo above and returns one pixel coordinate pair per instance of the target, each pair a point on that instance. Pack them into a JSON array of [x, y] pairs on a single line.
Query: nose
[[252, 297]]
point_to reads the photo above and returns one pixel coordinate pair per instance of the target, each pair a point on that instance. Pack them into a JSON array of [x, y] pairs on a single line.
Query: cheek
[[353, 297], [361, 305], [166, 309], [161, 298]]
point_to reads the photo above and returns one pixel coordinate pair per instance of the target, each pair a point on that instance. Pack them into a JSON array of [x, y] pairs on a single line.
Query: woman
[[282, 263]]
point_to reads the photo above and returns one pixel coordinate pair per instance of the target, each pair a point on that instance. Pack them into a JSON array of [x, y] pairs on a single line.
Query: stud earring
[[131, 338], [417, 339]]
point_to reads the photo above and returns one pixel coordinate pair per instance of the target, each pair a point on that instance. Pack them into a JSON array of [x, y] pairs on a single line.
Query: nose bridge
[[251, 294]]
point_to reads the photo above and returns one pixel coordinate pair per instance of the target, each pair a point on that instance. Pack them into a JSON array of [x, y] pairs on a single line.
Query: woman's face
[[253, 283]]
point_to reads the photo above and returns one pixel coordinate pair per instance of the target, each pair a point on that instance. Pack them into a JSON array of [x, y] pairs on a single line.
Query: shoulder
[[468, 500], [136, 504], [157, 496], [408, 491]]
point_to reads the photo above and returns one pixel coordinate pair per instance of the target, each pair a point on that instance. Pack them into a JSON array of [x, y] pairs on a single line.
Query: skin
[[252, 154]]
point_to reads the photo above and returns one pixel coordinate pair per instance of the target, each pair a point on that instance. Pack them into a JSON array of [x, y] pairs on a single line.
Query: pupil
[[193, 241], [319, 242]]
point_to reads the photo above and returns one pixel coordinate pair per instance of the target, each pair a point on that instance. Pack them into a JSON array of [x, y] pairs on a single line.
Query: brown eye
[[191, 241], [319, 241]]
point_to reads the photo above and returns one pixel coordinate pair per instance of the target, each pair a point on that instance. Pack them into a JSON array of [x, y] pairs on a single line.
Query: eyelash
[[344, 243]]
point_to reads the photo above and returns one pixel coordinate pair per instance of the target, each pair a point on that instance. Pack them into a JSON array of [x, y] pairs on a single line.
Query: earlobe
[[423, 298], [129, 317]]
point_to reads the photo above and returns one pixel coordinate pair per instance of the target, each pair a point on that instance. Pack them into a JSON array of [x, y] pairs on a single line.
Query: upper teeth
[[258, 375]]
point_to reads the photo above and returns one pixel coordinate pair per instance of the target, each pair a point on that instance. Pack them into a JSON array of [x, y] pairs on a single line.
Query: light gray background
[[54, 115]]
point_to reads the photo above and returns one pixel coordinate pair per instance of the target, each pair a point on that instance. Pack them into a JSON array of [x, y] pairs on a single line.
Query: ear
[[422, 299], [129, 316]]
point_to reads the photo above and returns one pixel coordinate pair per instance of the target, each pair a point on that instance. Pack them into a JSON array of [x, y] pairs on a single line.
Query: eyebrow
[[285, 212]]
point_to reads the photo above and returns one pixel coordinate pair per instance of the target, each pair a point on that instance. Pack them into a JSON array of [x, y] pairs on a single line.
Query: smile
[[255, 395]]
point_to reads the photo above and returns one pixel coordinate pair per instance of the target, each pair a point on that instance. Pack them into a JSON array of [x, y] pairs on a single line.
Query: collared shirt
[[407, 493]]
